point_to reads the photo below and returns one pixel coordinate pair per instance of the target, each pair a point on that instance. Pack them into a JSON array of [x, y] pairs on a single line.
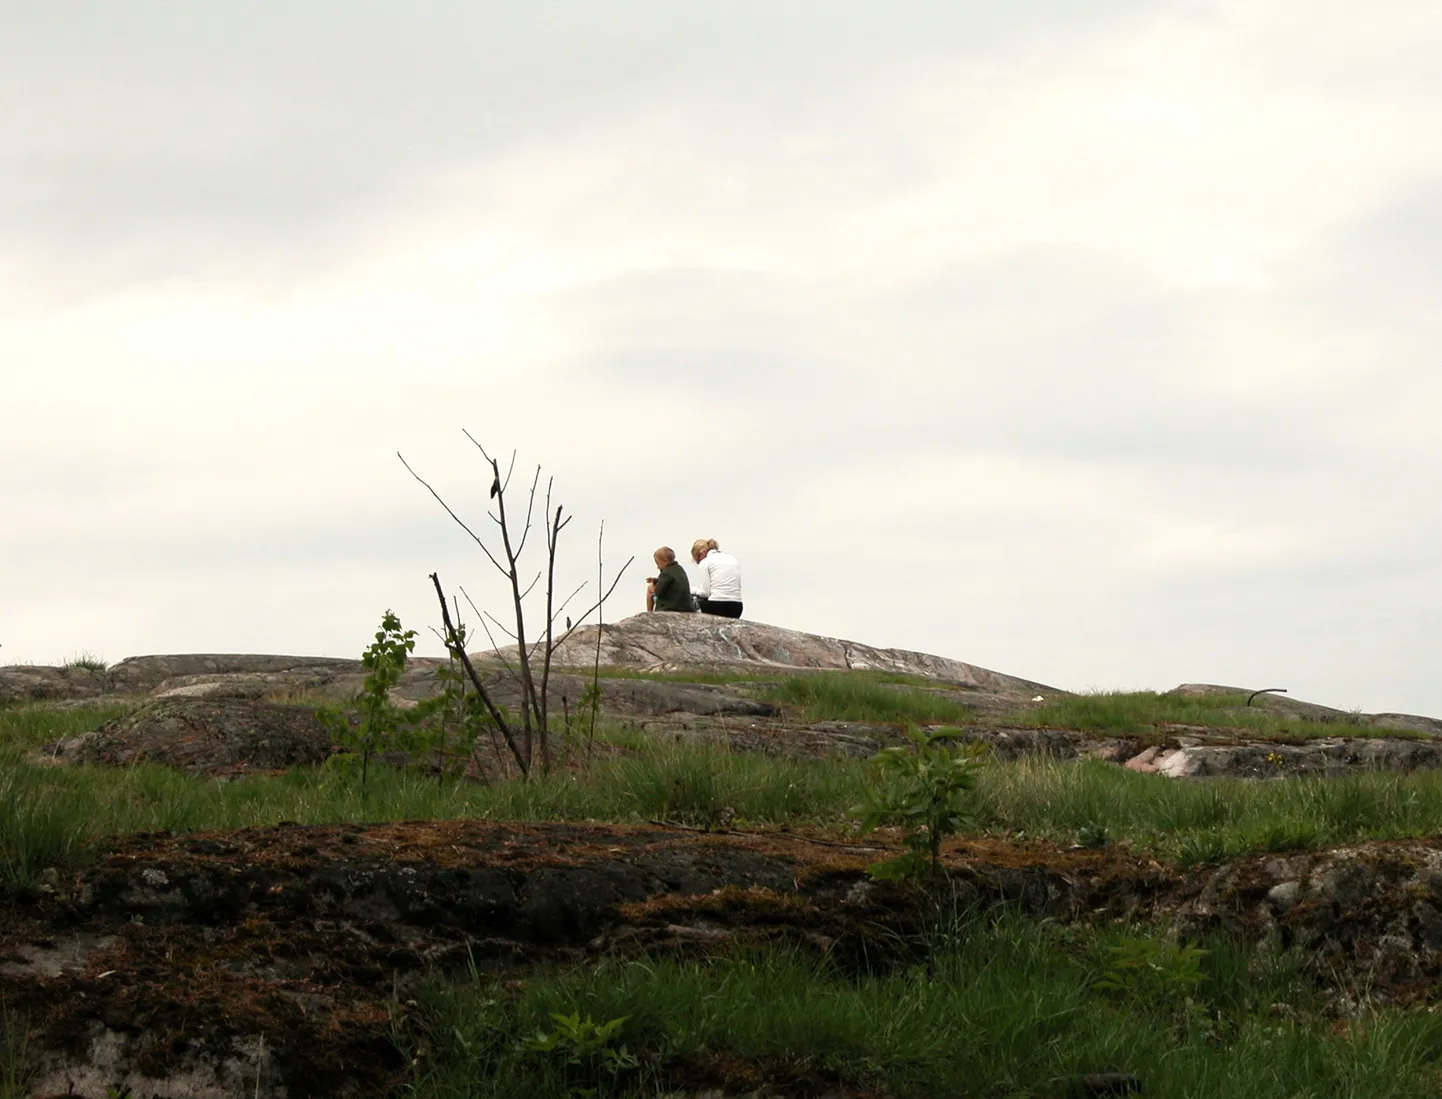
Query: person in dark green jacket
[[670, 588]]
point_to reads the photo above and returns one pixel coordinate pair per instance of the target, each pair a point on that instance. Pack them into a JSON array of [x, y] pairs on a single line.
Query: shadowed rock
[[202, 737]]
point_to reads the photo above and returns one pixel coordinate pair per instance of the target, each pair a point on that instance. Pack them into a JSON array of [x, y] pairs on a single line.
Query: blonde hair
[[702, 546], [665, 554]]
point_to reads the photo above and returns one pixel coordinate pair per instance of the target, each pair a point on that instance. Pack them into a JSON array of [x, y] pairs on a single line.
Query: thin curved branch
[[459, 521]]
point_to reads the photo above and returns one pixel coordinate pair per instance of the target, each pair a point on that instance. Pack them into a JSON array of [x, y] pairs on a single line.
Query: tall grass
[[53, 816], [17, 1062], [1008, 1008], [1209, 820], [1141, 711], [859, 696]]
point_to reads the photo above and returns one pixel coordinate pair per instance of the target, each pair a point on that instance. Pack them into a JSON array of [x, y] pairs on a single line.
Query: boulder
[[21, 683], [213, 737]]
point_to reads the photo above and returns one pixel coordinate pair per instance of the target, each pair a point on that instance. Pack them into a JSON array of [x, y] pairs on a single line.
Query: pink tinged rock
[[1177, 764], [1142, 761]]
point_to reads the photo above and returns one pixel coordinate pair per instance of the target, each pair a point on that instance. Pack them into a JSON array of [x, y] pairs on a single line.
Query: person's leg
[[723, 607]]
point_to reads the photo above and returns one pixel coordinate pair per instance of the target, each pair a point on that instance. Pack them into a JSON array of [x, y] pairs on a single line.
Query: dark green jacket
[[673, 589]]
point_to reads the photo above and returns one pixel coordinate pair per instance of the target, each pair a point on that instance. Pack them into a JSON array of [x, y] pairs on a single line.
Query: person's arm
[[703, 586]]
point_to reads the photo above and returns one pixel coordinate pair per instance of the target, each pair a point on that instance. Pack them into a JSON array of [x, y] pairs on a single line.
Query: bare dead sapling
[[529, 657]]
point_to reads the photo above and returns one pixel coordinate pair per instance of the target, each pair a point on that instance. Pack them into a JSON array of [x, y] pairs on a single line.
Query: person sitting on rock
[[670, 588], [719, 589]]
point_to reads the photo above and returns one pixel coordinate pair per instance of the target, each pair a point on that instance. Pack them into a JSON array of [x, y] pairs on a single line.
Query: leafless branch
[[531, 510], [459, 521], [498, 624], [454, 644], [597, 604]]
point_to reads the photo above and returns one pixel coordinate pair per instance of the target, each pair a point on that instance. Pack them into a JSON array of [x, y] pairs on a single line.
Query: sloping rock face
[[146, 673], [198, 675], [218, 737], [35, 683], [675, 642], [1312, 711]]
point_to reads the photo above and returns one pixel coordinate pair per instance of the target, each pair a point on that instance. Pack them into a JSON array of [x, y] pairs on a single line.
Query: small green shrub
[[1150, 969], [922, 790], [380, 721], [583, 1048]]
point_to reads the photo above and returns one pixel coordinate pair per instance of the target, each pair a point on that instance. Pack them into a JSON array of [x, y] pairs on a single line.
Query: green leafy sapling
[[380, 721], [445, 727], [582, 1047], [922, 790]]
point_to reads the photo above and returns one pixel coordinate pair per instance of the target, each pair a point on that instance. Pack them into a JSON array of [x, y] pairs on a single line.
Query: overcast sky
[[1094, 342]]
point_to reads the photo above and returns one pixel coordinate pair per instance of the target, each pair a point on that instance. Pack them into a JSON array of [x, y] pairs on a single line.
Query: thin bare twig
[[459, 521], [499, 625], [454, 644]]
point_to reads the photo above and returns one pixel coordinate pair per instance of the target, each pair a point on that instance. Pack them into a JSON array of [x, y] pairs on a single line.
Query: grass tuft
[[864, 697], [1131, 712], [87, 660]]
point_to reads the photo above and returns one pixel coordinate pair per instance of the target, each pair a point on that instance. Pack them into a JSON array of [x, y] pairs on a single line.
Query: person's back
[[719, 590], [671, 590]]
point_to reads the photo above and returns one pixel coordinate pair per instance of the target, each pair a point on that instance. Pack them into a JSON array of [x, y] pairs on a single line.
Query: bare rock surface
[[1312, 711], [218, 737], [39, 683], [674, 642], [1327, 756]]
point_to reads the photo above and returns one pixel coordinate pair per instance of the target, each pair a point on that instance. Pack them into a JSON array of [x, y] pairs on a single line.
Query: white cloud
[[1090, 327]]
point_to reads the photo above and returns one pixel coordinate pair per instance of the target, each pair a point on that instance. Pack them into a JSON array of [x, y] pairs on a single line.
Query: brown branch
[[459, 521], [456, 647], [597, 604]]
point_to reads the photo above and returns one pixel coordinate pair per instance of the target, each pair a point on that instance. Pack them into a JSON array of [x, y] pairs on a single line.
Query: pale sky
[[1092, 342]]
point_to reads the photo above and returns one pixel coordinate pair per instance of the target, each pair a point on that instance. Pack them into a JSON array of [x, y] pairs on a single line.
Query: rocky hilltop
[[282, 960], [224, 714]]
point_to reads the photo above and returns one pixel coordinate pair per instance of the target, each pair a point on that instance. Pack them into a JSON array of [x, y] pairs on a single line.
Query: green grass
[[53, 816], [1204, 821], [863, 697], [87, 660], [1009, 1007], [17, 1061], [1143, 711]]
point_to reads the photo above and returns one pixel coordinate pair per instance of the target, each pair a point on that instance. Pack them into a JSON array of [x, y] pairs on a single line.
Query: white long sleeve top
[[720, 577]]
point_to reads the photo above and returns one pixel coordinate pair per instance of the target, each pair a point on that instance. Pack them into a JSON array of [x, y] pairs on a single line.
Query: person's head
[[701, 547], [664, 556]]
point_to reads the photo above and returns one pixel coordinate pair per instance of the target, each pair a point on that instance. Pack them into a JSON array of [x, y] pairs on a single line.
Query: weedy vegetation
[[1133, 712], [863, 697], [1007, 1007]]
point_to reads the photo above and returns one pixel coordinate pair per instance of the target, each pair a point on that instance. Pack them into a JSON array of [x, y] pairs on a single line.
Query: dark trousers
[[724, 607]]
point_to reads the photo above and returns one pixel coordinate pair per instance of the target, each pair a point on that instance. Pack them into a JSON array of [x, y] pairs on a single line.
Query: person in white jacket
[[719, 589]]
